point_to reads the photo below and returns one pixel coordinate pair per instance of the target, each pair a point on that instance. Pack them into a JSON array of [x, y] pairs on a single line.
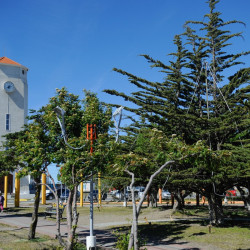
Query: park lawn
[[196, 233], [224, 238], [16, 238]]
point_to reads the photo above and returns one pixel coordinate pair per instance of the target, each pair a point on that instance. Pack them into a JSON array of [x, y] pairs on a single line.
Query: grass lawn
[[235, 237], [16, 238], [225, 238], [197, 234]]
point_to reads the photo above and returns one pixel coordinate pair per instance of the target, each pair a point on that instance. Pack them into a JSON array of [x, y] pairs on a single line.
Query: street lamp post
[[91, 134]]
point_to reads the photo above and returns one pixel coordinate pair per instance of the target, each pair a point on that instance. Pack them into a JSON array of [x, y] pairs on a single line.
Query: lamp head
[[59, 111], [60, 114], [118, 111]]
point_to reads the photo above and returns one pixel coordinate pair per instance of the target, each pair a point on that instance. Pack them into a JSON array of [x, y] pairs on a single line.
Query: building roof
[[6, 60]]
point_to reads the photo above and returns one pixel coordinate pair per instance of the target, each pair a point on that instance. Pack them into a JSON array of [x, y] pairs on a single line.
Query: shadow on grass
[[105, 237], [168, 233], [229, 222], [233, 211], [239, 222], [198, 234], [20, 212], [160, 233], [189, 211], [157, 233], [16, 209]]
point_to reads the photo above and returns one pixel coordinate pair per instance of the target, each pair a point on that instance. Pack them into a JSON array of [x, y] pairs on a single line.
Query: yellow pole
[[160, 195], [81, 194], [5, 190], [17, 191], [99, 189], [43, 189]]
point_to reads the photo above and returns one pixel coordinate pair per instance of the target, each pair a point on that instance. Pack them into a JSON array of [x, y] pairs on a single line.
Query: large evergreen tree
[[198, 100]]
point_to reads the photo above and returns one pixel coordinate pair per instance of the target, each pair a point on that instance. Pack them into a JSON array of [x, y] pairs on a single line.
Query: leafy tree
[[77, 164], [151, 153], [30, 151], [40, 143], [190, 102], [8, 162]]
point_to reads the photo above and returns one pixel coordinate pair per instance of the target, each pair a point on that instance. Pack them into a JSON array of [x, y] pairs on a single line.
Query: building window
[[7, 122]]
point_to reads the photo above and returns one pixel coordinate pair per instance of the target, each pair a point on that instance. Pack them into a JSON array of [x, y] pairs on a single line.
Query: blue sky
[[77, 43]]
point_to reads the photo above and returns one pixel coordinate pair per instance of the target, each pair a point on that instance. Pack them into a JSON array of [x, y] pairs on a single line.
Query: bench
[[52, 210]]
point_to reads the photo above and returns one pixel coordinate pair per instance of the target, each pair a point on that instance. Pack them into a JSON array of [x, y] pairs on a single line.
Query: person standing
[[1, 202]]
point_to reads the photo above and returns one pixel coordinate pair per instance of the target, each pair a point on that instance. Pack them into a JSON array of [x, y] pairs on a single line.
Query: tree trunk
[[58, 219], [197, 199], [32, 230], [215, 210], [135, 221], [179, 205], [70, 237], [72, 218], [133, 240], [172, 200], [153, 199], [245, 197], [247, 203], [148, 199], [183, 200], [75, 214]]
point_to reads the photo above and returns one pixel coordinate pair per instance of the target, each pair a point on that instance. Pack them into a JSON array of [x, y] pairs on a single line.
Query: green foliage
[[152, 148], [196, 101], [40, 142], [6, 163], [47, 145], [122, 240]]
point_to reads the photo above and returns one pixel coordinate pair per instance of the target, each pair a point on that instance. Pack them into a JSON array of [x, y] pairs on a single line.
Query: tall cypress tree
[[161, 104], [227, 114], [217, 39], [202, 103]]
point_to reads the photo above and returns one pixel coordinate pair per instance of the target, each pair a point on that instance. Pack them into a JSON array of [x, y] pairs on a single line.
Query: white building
[[13, 108]]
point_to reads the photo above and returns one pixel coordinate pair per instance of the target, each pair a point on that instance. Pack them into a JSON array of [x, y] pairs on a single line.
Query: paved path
[[104, 237]]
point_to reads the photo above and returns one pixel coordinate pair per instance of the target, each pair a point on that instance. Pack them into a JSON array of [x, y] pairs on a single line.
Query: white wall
[[15, 103]]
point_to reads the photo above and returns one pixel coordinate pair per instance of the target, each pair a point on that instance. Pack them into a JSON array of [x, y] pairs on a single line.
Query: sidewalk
[[104, 237]]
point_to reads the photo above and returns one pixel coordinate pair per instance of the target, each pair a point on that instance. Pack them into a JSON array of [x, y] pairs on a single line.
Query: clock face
[[9, 87]]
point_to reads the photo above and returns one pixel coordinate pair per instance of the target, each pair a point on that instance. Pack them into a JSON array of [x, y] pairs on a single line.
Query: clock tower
[[13, 101], [13, 96]]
